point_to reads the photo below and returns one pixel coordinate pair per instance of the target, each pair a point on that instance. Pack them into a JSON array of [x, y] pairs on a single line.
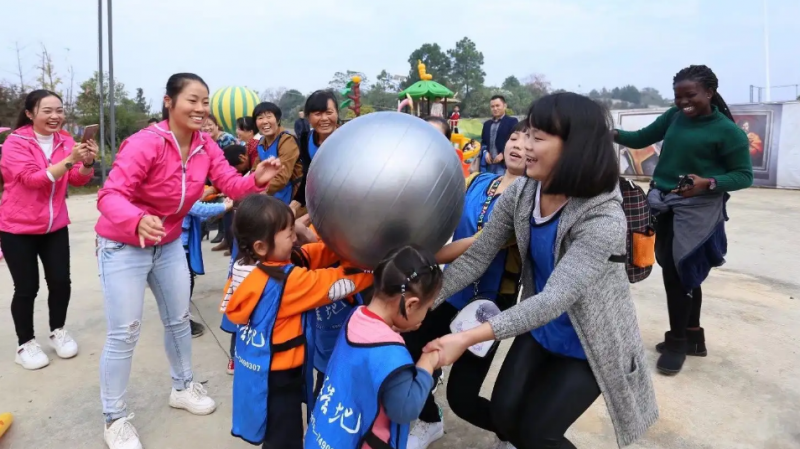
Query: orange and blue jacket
[[304, 289]]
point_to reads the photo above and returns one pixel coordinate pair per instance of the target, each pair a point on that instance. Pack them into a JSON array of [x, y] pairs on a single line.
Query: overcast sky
[[577, 44]]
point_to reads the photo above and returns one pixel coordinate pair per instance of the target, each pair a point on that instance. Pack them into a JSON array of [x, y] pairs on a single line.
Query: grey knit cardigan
[[592, 290]]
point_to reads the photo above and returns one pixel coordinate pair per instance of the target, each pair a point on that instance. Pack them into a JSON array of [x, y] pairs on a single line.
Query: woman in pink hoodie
[[37, 165], [158, 174]]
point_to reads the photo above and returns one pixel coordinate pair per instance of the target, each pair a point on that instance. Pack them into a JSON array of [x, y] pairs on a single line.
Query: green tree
[[437, 63], [511, 83], [142, 103], [518, 96], [128, 114], [12, 100], [385, 82], [477, 103], [291, 103], [467, 66], [651, 96], [382, 95]]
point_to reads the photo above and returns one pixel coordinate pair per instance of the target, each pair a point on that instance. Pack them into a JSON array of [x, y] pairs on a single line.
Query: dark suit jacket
[[507, 124]]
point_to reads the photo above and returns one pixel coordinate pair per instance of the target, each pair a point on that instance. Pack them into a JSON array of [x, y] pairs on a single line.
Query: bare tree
[[48, 78], [20, 72], [273, 94]]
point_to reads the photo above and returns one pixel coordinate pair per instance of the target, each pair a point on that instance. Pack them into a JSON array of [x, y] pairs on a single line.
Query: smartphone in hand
[[89, 133], [685, 183]]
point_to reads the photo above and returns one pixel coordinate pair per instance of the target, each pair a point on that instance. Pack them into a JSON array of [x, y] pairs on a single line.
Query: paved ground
[[745, 394]]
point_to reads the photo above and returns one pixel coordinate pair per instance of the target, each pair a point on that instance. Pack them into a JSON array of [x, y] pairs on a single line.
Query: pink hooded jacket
[[31, 202], [149, 178]]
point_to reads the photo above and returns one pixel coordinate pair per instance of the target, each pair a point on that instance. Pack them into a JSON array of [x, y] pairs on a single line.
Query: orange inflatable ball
[[5, 422], [356, 79]]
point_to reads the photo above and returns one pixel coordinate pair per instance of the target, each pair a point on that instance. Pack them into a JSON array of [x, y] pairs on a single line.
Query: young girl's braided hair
[[408, 270], [704, 76]]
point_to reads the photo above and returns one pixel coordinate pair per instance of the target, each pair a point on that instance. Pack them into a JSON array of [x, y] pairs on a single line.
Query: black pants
[[227, 226], [466, 375], [22, 253], [285, 410], [683, 305], [538, 395]]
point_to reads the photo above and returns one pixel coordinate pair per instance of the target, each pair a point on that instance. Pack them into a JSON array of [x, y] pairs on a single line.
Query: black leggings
[[538, 395], [466, 375], [22, 253], [683, 305]]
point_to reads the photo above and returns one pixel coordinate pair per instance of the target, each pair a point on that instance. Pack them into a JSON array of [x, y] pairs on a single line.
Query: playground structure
[[352, 95], [428, 89]]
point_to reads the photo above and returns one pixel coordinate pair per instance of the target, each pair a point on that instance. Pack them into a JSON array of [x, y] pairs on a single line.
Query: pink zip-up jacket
[[149, 178], [31, 202]]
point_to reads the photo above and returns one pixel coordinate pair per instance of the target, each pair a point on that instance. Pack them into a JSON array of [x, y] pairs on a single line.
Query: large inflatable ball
[[381, 181], [231, 103]]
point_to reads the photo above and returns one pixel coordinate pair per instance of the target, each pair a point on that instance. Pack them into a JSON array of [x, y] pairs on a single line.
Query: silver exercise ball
[[381, 181]]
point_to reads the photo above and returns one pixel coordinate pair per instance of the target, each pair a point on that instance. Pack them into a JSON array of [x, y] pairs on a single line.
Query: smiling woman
[[323, 117], [704, 156], [149, 191], [39, 162]]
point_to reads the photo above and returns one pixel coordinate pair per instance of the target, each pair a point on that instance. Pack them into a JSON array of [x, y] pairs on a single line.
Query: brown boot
[[223, 245]]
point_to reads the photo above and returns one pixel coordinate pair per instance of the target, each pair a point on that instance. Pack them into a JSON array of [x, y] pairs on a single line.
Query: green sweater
[[711, 146]]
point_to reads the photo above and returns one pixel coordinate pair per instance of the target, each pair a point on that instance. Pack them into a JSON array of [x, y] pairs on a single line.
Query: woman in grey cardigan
[[576, 329]]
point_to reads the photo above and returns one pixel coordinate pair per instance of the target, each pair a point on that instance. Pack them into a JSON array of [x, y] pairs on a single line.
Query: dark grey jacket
[[591, 289]]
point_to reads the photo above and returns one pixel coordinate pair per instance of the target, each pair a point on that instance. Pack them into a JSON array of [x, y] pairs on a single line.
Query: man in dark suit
[[496, 133], [300, 125]]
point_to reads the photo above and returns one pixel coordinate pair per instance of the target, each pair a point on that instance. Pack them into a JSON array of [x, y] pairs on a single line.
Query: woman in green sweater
[[704, 156]]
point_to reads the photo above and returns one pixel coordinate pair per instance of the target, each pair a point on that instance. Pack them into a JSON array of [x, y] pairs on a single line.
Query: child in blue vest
[[372, 390], [272, 307]]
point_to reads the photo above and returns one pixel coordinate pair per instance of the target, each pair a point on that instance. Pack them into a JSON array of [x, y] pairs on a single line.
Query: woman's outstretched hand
[[450, 348], [266, 170]]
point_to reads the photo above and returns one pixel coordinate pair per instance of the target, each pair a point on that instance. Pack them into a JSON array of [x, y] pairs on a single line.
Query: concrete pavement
[[745, 394]]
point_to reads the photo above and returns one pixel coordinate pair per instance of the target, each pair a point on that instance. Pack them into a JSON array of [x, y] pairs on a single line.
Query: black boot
[[218, 238], [695, 343], [671, 360], [197, 329]]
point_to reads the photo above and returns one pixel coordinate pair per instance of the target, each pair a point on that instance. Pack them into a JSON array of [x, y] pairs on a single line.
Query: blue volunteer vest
[[226, 324], [254, 350], [285, 194], [489, 284], [348, 403], [328, 326], [312, 147], [195, 248]]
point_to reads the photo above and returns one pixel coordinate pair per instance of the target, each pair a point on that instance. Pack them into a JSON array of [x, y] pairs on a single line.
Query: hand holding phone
[[89, 133]]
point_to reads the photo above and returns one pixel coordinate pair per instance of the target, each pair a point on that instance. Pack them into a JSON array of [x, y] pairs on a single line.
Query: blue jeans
[[125, 271]]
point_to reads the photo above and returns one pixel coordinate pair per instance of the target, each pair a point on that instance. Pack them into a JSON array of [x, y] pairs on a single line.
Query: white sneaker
[[30, 356], [122, 435], [62, 342], [194, 400], [423, 434]]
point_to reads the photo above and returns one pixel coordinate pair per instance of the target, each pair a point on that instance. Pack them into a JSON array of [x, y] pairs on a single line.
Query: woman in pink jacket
[[37, 164], [159, 173]]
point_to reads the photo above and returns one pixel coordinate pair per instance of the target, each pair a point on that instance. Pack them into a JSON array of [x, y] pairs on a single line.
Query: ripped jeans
[[125, 271]]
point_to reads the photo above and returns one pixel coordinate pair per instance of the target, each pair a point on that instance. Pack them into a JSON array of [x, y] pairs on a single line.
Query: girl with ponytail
[[704, 156]]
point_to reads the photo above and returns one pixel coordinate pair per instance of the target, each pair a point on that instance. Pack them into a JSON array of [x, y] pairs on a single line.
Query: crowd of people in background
[[542, 235]]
